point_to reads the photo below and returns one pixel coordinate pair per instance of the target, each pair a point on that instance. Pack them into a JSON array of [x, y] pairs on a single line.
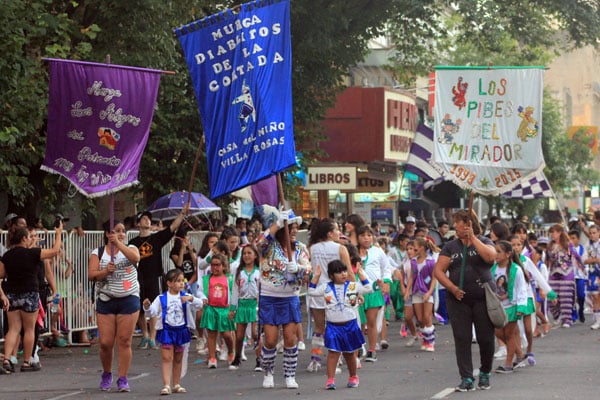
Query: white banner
[[488, 126]]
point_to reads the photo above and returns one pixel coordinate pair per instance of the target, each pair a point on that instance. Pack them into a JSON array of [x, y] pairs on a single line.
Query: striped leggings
[[564, 286]]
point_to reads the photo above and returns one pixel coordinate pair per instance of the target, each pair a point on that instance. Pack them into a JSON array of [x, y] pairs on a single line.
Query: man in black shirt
[[150, 267]]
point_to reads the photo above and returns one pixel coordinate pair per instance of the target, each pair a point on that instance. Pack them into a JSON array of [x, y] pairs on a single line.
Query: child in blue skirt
[[342, 333], [178, 311]]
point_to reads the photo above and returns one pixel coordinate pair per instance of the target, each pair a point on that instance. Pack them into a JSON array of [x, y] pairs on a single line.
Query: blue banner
[[241, 64]]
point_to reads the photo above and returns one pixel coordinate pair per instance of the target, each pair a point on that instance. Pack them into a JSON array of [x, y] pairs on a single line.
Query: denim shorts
[[118, 305], [28, 302]]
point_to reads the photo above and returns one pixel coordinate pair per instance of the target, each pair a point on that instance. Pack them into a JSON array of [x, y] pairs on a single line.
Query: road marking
[[79, 392], [63, 396], [444, 393]]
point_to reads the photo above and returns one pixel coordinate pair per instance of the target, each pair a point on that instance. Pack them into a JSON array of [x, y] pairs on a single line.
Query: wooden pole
[[194, 169], [286, 232]]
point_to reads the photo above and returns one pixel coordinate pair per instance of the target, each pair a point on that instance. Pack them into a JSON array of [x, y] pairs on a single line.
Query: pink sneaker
[[352, 382]]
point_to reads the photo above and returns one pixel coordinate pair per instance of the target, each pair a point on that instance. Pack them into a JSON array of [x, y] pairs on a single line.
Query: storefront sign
[[400, 127], [365, 184], [331, 178]]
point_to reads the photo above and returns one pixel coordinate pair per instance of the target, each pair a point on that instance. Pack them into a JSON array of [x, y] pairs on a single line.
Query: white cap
[[411, 219], [9, 217], [573, 219]]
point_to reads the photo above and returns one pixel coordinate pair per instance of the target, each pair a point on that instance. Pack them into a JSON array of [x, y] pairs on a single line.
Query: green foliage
[[327, 39]]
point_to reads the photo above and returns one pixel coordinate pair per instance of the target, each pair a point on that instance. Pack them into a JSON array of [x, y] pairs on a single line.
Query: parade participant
[[202, 263], [537, 257], [375, 263], [342, 334], [232, 237], [20, 292], [397, 254], [302, 258], [323, 249], [150, 268], [473, 254], [593, 282], [581, 275], [215, 291], [279, 302], [184, 257], [562, 259], [353, 222], [244, 301], [408, 323], [114, 269], [511, 284], [176, 310], [534, 279], [421, 285]]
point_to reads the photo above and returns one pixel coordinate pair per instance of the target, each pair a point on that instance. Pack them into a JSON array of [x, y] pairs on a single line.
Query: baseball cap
[[139, 215], [573, 219], [410, 219], [543, 240], [9, 217]]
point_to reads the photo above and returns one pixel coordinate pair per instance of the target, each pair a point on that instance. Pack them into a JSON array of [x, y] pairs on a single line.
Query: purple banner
[[99, 117]]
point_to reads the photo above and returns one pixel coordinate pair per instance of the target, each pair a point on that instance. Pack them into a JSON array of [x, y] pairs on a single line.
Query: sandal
[[179, 389], [165, 390], [28, 366], [8, 367]]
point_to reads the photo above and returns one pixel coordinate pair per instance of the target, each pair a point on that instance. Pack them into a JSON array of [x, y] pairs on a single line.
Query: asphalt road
[[567, 368]]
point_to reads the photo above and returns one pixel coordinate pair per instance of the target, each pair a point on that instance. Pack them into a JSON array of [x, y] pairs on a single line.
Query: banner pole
[[286, 232], [194, 169], [111, 207]]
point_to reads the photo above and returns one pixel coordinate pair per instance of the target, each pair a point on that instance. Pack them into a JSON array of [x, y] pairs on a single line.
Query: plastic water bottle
[[54, 308], [188, 288]]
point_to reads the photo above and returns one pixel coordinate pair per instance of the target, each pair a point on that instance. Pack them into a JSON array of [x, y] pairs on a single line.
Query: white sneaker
[[268, 381], [384, 344], [501, 353], [301, 346], [201, 344], [313, 366], [291, 383], [280, 347], [595, 325], [318, 341], [223, 356], [243, 356], [411, 341]]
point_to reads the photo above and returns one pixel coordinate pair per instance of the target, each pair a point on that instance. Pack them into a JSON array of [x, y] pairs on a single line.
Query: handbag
[[495, 309], [494, 306]]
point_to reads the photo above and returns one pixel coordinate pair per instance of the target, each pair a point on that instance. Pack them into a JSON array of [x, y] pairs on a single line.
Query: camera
[[59, 217]]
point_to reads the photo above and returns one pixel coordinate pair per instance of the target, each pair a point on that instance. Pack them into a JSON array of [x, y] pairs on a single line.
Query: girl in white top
[[421, 285], [117, 291], [178, 310], [409, 313], [244, 302], [324, 248], [375, 263], [534, 279], [343, 334]]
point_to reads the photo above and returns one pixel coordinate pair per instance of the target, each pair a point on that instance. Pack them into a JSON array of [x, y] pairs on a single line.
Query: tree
[[327, 39], [485, 32]]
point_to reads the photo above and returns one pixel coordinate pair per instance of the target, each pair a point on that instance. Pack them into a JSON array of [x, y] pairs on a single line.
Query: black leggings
[[462, 317]]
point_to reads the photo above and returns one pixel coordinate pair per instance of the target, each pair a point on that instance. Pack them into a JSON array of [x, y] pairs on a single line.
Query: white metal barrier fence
[[77, 309]]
